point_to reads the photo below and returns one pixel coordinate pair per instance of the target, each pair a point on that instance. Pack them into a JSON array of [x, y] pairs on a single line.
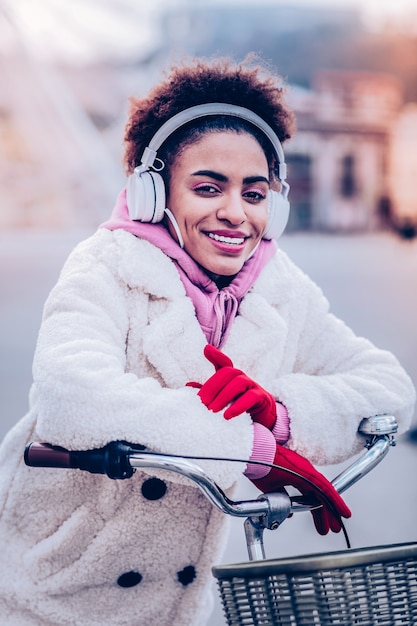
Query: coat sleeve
[[336, 379], [82, 395]]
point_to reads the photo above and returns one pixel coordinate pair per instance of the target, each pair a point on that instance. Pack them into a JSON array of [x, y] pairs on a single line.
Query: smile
[[233, 241]]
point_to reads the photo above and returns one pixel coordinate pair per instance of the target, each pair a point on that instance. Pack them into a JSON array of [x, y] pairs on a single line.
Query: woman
[[180, 325]]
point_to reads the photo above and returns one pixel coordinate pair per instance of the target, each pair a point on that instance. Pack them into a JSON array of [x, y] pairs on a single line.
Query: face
[[218, 195]]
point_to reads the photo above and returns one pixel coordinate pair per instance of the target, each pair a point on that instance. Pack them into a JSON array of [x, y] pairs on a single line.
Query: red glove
[[316, 489], [231, 386]]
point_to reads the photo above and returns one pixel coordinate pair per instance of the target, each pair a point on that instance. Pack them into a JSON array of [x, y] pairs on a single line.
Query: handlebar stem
[[254, 533], [279, 509]]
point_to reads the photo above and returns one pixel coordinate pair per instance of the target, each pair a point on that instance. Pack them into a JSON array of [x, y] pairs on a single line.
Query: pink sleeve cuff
[[281, 430], [264, 448]]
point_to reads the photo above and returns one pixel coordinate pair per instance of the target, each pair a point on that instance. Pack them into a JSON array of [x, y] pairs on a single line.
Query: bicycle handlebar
[[119, 460]]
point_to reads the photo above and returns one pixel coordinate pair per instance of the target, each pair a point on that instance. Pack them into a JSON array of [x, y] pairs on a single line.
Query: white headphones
[[146, 189]]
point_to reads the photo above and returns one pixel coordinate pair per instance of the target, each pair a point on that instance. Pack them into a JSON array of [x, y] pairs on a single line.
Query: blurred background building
[[66, 73]]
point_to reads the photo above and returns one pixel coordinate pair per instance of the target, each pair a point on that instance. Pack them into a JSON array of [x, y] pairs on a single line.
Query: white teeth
[[235, 241]]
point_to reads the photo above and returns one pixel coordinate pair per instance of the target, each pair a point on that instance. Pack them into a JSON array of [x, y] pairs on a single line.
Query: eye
[[206, 189], [255, 196]]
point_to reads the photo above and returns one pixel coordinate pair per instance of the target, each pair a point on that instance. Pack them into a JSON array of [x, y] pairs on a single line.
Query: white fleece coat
[[118, 342]]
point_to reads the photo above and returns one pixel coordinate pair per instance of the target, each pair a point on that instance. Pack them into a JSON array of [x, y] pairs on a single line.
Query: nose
[[232, 209]]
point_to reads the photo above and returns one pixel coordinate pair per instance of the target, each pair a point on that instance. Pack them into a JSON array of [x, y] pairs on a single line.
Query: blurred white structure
[[56, 169]]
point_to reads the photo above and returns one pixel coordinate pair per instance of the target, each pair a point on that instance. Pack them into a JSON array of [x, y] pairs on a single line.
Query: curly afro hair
[[199, 81]]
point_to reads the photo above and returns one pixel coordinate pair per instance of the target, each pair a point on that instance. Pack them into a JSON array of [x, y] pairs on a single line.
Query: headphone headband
[[212, 108]]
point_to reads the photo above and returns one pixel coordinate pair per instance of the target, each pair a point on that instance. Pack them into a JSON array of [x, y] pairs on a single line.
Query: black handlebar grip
[[47, 455], [112, 459]]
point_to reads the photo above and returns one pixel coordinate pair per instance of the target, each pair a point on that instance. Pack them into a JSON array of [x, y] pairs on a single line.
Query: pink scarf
[[215, 308]]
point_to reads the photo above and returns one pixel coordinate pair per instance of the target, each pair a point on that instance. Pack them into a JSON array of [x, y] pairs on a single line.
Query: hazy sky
[[77, 28]]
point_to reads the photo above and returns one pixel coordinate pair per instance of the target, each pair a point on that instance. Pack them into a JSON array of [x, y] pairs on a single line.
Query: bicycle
[[375, 586]]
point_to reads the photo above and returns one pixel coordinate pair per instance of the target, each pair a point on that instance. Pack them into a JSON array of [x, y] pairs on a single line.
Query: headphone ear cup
[[278, 215], [145, 196]]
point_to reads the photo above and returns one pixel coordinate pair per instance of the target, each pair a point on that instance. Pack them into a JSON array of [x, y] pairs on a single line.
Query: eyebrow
[[223, 179]]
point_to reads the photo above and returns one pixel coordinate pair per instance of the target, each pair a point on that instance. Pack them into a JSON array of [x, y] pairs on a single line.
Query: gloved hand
[[316, 489], [231, 386]]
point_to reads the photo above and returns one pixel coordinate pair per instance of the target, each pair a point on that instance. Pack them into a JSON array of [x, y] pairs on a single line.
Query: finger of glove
[[244, 403], [265, 412], [214, 385], [333, 501], [230, 392], [334, 522], [317, 481], [193, 384], [321, 520], [330, 520], [252, 401], [216, 357]]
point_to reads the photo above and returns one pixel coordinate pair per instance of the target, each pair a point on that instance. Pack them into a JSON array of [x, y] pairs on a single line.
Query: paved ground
[[370, 281]]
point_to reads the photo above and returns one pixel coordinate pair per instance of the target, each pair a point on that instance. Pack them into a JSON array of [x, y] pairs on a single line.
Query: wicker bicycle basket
[[367, 587]]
